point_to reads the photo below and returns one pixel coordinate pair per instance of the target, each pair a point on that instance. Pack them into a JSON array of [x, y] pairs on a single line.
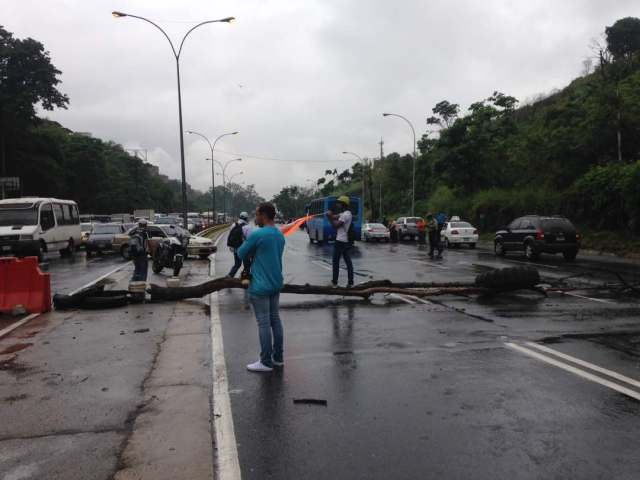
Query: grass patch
[[622, 244]]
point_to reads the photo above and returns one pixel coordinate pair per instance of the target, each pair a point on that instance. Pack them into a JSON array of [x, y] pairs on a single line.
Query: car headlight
[[25, 237]]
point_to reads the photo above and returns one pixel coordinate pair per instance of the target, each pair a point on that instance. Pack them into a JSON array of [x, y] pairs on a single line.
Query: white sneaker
[[258, 367], [278, 364]]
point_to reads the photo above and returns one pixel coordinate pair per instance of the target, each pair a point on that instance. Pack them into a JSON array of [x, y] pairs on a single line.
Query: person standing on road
[[422, 231], [342, 222], [432, 230], [237, 236], [138, 250], [266, 245]]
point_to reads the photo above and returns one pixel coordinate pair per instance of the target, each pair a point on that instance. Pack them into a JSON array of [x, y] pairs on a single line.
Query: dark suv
[[534, 235]]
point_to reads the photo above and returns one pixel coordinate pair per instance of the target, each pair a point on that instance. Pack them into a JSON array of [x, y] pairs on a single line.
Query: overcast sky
[[301, 80]]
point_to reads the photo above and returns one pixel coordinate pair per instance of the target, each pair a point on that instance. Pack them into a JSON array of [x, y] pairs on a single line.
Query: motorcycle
[[169, 253]]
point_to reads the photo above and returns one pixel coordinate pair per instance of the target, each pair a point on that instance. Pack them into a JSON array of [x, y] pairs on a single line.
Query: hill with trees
[[574, 152]]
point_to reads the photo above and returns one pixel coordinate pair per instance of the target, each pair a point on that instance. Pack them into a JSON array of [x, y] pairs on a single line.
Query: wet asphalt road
[[422, 389]]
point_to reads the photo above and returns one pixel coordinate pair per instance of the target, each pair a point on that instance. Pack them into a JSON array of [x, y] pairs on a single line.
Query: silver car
[[101, 237], [408, 227]]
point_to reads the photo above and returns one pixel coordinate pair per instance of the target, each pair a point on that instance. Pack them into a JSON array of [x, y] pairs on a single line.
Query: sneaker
[[333, 285], [278, 364], [349, 285], [259, 367]]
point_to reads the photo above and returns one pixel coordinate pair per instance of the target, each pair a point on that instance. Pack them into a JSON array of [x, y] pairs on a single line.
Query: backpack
[[235, 236], [136, 245], [351, 234]]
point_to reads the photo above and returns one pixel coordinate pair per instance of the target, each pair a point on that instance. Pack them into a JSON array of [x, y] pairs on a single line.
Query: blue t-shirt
[[266, 244]]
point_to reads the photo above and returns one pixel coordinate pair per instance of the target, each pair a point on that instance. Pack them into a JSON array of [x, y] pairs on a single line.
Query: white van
[[33, 226]]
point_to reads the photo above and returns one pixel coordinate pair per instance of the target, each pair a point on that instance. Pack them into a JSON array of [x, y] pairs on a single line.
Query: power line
[[271, 159]]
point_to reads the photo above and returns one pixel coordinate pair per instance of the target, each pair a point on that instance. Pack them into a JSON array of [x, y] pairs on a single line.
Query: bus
[[319, 229], [33, 226]]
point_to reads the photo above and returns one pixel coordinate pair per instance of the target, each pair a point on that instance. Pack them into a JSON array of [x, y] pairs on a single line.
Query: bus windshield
[[13, 215]]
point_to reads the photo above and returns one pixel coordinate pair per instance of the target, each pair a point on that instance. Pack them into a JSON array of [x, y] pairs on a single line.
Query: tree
[[445, 114], [623, 38], [27, 78]]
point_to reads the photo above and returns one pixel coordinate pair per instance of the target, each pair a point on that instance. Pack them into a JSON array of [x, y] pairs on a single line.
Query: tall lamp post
[[212, 146], [363, 179], [224, 183], [176, 54], [413, 180]]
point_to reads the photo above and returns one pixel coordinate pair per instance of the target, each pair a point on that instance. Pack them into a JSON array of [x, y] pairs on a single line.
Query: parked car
[[459, 233], [198, 246], [535, 234], [101, 237], [408, 227], [375, 231]]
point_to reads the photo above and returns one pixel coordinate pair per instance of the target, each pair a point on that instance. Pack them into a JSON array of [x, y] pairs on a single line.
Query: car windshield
[[413, 219], [461, 225], [375, 225], [102, 229], [175, 231], [18, 215]]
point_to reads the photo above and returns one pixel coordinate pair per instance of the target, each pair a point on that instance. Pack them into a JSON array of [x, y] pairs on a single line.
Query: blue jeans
[[140, 268], [341, 249], [270, 331], [237, 263]]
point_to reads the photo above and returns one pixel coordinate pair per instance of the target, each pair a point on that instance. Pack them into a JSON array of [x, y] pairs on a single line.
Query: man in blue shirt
[[266, 245]]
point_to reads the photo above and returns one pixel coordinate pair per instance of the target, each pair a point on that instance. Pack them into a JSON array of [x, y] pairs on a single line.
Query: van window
[[75, 218], [47, 221], [57, 210], [66, 211], [16, 214]]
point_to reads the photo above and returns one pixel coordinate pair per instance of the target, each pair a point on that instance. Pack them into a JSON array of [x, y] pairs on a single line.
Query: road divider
[[24, 286]]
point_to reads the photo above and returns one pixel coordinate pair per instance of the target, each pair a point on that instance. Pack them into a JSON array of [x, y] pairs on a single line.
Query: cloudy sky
[[301, 80]]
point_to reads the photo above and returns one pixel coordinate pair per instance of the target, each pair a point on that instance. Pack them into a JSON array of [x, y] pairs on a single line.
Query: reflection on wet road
[[432, 389]]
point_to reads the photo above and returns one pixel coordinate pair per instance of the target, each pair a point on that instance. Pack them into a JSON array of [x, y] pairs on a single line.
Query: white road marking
[[595, 368], [400, 297], [101, 277], [576, 371], [421, 300], [532, 264], [430, 264], [228, 464], [19, 323], [322, 265], [600, 300]]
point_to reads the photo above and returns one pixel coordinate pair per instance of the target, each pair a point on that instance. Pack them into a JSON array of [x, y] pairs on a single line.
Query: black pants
[[341, 249], [238, 263], [140, 268], [434, 243]]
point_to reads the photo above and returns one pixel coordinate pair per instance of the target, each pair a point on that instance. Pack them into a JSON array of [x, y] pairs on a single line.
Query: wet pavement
[[434, 389]]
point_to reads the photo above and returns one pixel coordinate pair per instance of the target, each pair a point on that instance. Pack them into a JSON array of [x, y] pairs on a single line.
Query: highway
[[514, 386]]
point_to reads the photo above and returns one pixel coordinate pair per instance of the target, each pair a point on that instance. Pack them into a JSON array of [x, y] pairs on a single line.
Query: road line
[[576, 371], [322, 265], [19, 323], [421, 300], [228, 464], [400, 297], [571, 294], [101, 277], [596, 368], [532, 264], [430, 263]]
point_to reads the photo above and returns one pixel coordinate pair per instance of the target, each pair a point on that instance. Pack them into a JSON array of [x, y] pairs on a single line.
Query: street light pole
[[224, 183], [413, 179], [363, 178], [176, 54], [212, 146]]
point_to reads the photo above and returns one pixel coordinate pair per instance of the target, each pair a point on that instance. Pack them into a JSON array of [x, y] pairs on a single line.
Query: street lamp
[[413, 180], [213, 182], [176, 54], [363, 180], [224, 182]]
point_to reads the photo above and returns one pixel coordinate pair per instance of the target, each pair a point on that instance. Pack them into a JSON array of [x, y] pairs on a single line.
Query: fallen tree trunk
[[363, 290]]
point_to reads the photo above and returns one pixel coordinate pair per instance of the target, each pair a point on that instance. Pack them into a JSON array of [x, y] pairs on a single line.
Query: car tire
[[530, 252], [514, 278], [570, 255], [41, 251], [472, 245], [124, 252], [386, 240], [498, 248]]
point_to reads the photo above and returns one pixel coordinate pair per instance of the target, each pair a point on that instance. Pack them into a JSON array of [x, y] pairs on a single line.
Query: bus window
[[47, 221], [57, 210], [75, 218], [66, 211]]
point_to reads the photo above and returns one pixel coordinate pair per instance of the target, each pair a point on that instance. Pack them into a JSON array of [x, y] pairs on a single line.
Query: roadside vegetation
[[54, 161], [574, 152]]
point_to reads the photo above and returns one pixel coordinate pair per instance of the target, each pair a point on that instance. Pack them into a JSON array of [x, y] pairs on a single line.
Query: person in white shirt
[[342, 223]]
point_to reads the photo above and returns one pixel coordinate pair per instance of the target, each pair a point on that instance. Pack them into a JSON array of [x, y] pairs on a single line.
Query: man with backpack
[[138, 249], [238, 234], [342, 221]]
